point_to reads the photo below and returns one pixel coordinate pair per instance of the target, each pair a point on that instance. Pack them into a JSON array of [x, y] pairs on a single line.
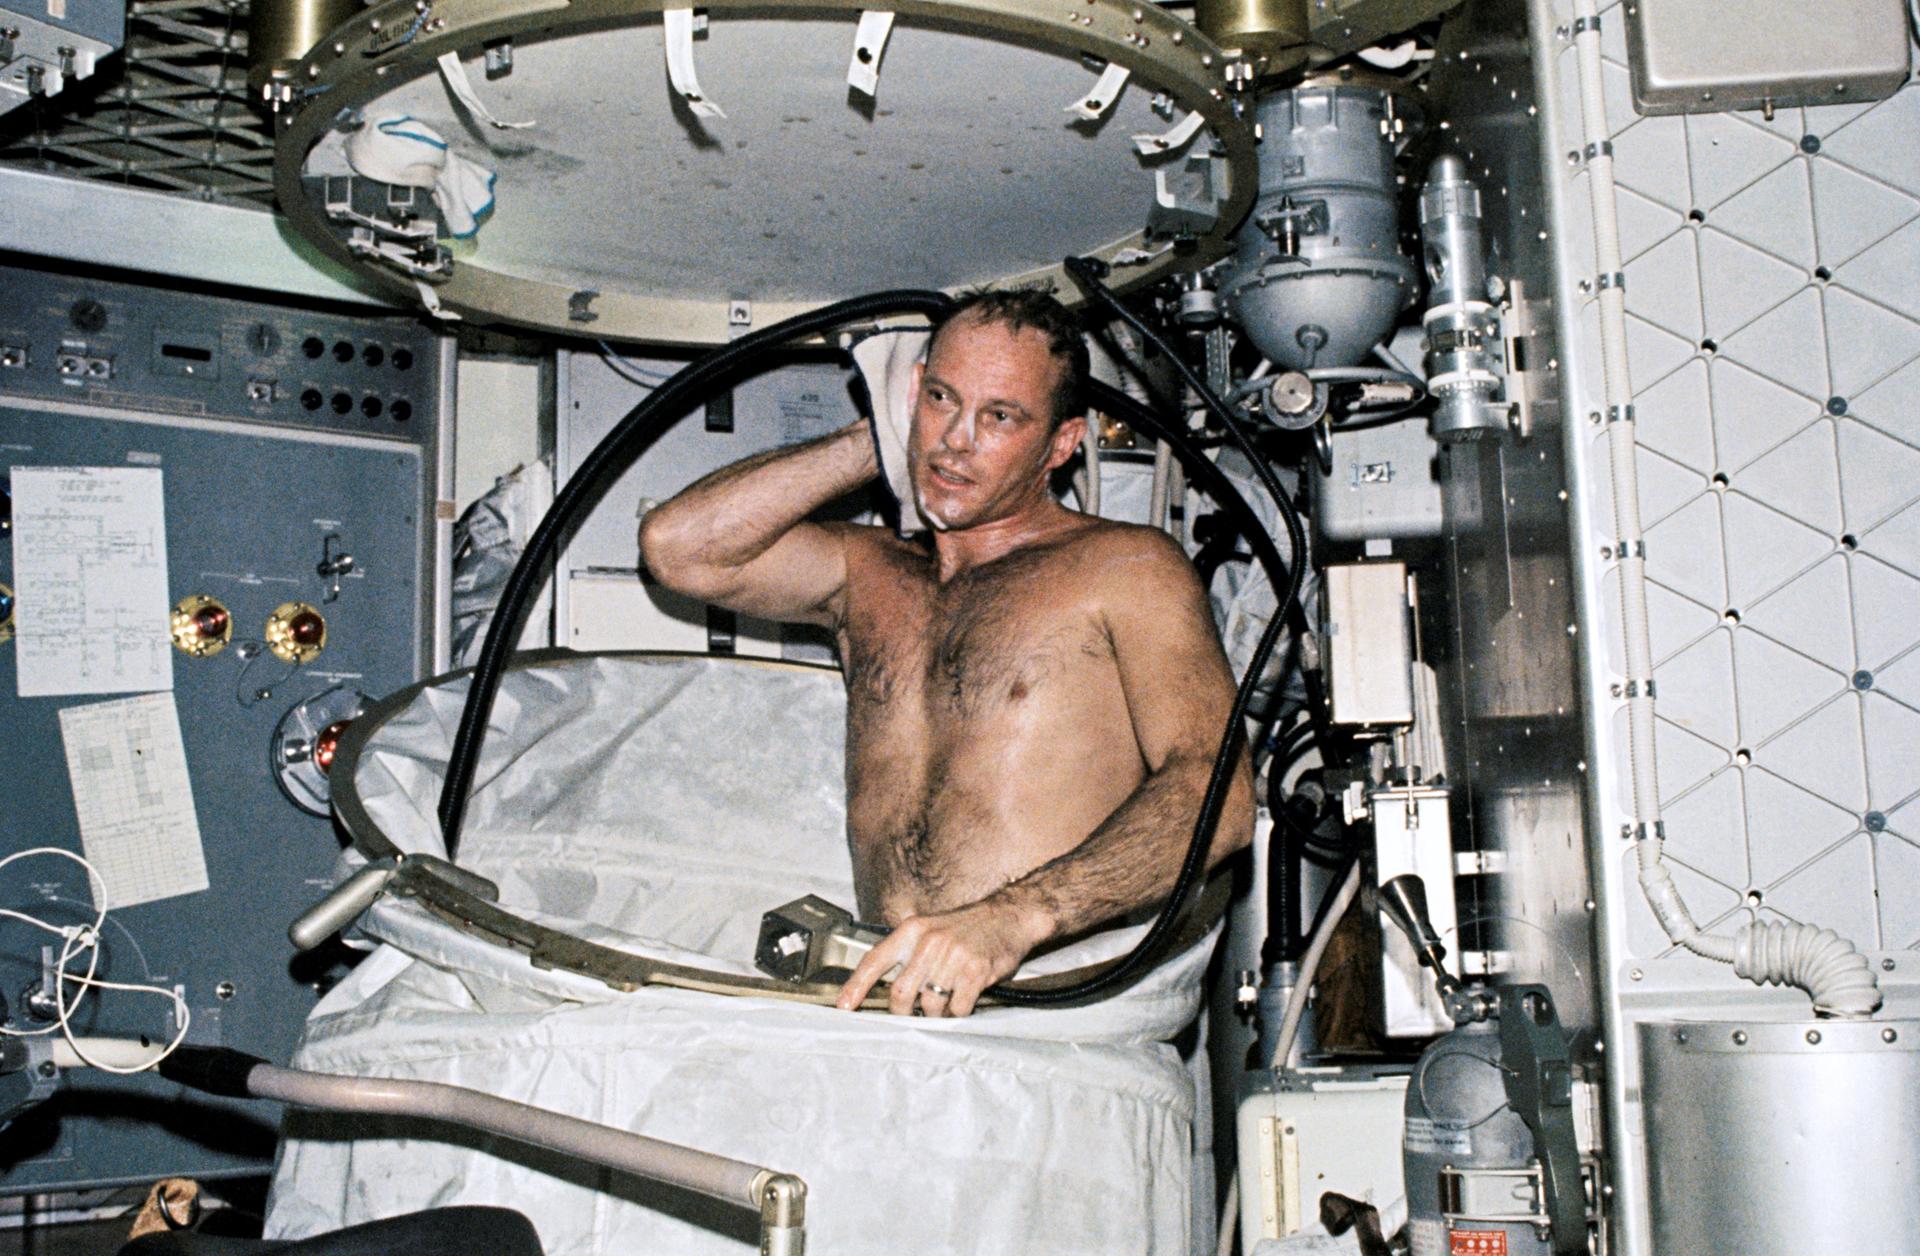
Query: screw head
[[1635, 975], [1886, 965], [1813, 1037], [225, 990], [1863, 679], [1809, 143], [1889, 1035], [1739, 1037], [1875, 821]]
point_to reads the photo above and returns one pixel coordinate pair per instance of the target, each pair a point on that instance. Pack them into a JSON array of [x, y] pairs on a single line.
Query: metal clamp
[[1629, 549], [1613, 279], [1581, 25], [1602, 149], [1639, 688], [1477, 1195], [1538, 1072], [810, 936], [1620, 414]]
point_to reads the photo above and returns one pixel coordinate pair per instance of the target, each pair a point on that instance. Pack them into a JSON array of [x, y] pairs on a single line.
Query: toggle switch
[[334, 563]]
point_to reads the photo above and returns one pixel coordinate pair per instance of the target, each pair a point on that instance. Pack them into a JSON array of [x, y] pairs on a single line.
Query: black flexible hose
[[1283, 863], [691, 385], [1087, 272], [582, 492]]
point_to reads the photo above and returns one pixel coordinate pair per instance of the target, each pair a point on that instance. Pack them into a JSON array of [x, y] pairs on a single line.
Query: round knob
[[88, 315], [211, 620], [327, 743], [296, 632], [201, 626], [1292, 393]]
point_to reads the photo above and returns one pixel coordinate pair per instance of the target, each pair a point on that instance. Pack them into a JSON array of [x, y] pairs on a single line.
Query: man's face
[[983, 442]]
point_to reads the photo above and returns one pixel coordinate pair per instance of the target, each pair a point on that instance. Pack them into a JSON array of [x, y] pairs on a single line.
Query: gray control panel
[[301, 559], [111, 344]]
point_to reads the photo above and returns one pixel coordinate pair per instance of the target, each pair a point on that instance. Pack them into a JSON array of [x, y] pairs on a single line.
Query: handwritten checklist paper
[[130, 787]]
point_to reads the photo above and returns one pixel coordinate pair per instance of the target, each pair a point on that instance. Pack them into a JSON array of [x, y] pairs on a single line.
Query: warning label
[[1476, 1243]]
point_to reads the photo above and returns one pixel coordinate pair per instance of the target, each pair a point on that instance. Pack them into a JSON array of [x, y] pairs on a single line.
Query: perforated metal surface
[[624, 206], [1774, 333], [1774, 344]]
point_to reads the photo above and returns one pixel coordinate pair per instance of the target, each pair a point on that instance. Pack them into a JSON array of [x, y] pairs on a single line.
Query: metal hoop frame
[[359, 60], [547, 948]]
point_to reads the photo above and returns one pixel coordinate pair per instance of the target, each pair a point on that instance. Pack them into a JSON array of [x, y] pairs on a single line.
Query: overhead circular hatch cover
[[690, 174]]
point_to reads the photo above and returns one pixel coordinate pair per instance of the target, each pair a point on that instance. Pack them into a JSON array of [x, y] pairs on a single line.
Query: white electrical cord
[[627, 370], [1310, 965], [85, 939], [1086, 481], [1229, 1218], [1828, 968]]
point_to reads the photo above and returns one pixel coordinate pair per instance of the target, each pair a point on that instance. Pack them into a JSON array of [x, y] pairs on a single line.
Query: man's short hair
[[1038, 309]]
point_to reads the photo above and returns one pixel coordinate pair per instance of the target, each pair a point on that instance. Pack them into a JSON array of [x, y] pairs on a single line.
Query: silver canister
[[1318, 276], [1462, 328]]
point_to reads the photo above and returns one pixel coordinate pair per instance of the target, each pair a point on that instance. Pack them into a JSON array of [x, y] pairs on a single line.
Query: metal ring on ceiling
[[364, 59]]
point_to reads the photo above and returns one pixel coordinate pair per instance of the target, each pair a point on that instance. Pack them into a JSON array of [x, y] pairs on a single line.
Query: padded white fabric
[[663, 805]]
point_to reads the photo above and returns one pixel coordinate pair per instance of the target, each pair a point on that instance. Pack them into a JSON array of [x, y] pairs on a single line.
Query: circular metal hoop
[[460, 897], [382, 54]]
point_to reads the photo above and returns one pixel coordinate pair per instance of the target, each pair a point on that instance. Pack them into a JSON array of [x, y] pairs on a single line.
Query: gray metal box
[[1369, 644], [254, 483], [1708, 56], [1382, 486]]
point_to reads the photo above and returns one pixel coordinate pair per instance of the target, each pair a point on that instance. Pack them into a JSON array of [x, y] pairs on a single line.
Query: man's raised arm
[[739, 538], [1179, 691]]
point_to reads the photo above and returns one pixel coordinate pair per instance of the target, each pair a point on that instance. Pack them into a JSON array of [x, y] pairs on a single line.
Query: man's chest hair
[[1000, 634]]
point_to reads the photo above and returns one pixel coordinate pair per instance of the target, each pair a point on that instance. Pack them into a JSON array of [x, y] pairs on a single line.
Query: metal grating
[[170, 112]]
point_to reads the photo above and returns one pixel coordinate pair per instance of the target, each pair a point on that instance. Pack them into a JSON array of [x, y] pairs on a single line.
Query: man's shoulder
[[872, 549], [1128, 552]]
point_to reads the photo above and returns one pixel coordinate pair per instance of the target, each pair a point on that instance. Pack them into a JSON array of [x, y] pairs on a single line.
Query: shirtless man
[[1034, 701]]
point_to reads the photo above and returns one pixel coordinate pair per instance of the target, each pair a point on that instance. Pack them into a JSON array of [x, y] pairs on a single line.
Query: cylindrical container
[[1459, 1120], [1276, 29], [1462, 329], [1318, 277], [279, 32], [1784, 1138]]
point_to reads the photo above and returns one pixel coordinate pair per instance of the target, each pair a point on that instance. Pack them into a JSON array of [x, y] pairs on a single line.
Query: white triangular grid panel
[[1800, 238]]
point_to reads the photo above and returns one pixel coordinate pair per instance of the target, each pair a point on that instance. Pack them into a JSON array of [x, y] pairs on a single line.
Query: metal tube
[[718, 1177], [783, 1215]]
